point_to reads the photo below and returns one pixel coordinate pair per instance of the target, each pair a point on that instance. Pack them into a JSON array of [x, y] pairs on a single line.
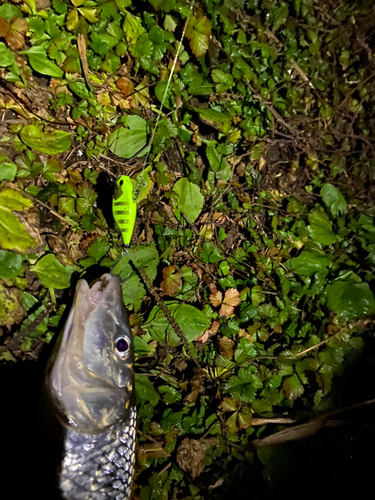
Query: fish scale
[[99, 467]]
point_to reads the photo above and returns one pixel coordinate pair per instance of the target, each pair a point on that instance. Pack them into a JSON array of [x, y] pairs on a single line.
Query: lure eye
[[122, 348], [121, 182]]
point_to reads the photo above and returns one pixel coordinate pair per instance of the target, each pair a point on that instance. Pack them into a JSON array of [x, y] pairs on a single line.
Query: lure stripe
[[124, 204]]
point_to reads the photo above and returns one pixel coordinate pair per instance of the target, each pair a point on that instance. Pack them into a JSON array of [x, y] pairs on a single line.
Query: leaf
[[10, 264], [40, 62], [98, 248], [15, 34], [245, 417], [228, 404], [190, 200], [49, 141], [231, 300], [321, 228], [226, 347], [216, 296], [6, 56], [293, 387], [132, 27], [140, 257], [334, 200], [144, 391], [8, 169], [143, 184], [243, 386], [350, 300], [190, 319], [216, 119], [15, 236], [125, 86], [309, 262], [11, 309], [198, 31], [171, 280], [128, 140], [52, 273]]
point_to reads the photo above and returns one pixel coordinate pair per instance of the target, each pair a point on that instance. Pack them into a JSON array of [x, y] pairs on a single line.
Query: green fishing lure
[[124, 207]]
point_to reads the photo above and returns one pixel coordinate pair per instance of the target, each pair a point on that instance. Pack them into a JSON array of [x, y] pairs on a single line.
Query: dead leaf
[[196, 386], [216, 296], [14, 32], [190, 457], [125, 86], [209, 333], [172, 280], [231, 300], [226, 347]]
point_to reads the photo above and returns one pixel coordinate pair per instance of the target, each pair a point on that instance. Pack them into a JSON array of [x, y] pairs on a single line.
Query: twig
[[167, 314]]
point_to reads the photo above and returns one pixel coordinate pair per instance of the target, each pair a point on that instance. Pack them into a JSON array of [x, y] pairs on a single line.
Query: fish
[[90, 381]]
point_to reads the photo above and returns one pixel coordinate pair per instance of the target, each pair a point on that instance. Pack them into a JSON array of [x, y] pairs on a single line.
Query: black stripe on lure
[[124, 207]]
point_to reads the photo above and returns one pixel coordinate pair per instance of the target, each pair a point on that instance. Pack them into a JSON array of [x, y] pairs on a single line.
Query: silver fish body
[[91, 382]]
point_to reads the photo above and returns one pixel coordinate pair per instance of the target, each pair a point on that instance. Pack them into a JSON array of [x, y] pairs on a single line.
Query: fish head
[[91, 374]]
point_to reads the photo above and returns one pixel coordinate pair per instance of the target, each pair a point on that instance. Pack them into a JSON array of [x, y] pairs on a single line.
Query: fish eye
[[122, 347]]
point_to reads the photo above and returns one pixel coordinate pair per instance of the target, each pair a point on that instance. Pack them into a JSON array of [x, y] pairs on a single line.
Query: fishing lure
[[124, 207]]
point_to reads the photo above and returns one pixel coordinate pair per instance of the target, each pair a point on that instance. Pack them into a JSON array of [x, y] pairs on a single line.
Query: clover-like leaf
[[172, 279], [198, 31]]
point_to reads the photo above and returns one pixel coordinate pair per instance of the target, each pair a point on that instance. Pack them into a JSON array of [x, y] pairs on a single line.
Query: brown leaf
[[226, 347], [125, 86], [196, 386], [216, 296], [172, 280], [15, 36], [209, 333], [4, 26], [231, 300], [190, 456]]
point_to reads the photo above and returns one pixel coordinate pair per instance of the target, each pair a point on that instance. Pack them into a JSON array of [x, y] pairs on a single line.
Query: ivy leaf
[[293, 387], [198, 31], [350, 300], [172, 280], [334, 200], [52, 273]]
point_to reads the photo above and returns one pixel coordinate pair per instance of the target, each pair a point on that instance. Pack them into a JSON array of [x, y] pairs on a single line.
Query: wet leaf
[[293, 387], [10, 264], [198, 31], [351, 300], [216, 119], [309, 262], [144, 391]]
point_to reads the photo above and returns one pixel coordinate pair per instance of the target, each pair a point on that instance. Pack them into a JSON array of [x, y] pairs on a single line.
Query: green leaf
[[244, 385], [293, 387], [8, 169], [132, 27], [128, 140], [144, 391], [6, 56], [350, 300], [190, 200], [40, 62], [334, 200], [98, 248], [216, 119], [171, 395], [10, 264], [140, 257], [198, 31], [191, 320], [52, 273], [13, 235], [321, 228], [309, 262], [49, 141]]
